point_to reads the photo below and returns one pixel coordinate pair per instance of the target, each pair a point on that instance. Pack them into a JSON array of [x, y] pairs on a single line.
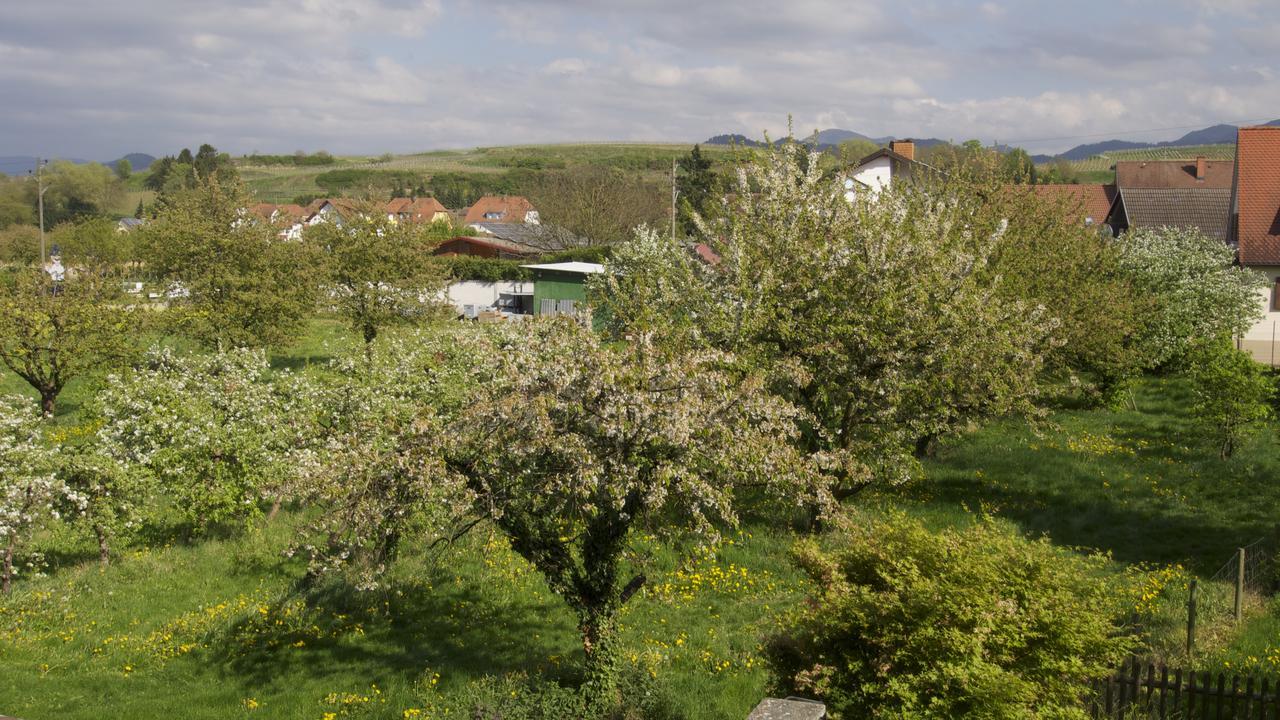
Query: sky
[[95, 79]]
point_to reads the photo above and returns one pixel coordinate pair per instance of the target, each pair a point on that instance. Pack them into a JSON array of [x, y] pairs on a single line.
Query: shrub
[[972, 622], [1233, 393]]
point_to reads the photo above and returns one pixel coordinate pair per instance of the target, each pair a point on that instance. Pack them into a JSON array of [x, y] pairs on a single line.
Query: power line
[[1129, 132]]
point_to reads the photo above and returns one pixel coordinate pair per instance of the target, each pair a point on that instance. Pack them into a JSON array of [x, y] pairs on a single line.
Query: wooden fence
[[1158, 692]]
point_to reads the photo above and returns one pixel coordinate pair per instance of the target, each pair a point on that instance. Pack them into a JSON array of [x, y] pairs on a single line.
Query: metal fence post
[[1239, 584], [1191, 617]]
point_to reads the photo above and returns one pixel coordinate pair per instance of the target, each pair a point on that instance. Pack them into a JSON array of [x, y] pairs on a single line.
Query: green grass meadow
[[223, 627]]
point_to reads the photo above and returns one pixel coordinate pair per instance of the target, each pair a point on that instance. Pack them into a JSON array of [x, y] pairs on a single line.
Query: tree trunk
[[104, 549], [275, 509], [599, 641], [48, 399], [7, 580], [927, 446]]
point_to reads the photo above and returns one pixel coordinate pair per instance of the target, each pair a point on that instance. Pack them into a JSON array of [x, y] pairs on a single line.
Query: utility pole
[[673, 198], [41, 190]]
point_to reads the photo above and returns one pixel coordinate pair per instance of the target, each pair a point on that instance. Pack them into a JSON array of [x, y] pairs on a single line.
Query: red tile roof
[[1090, 202], [499, 208], [395, 206], [1258, 195]]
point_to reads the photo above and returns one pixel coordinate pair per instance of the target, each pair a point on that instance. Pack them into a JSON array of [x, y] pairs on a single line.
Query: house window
[[493, 216], [1275, 295]]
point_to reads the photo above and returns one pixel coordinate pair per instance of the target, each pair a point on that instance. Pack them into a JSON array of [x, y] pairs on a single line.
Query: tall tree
[[600, 205], [124, 169], [234, 281], [380, 271], [878, 317]]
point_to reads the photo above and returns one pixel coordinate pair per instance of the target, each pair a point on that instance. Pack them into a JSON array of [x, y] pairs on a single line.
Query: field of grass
[[222, 627], [281, 183]]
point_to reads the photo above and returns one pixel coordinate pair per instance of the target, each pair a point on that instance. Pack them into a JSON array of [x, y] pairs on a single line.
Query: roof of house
[[509, 208], [130, 222], [425, 208], [1257, 199], [1207, 209], [1173, 174], [1092, 202], [496, 243], [398, 205], [291, 211], [580, 268]]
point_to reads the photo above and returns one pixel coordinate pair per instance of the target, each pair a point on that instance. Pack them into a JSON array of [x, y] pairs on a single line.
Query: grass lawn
[[221, 627]]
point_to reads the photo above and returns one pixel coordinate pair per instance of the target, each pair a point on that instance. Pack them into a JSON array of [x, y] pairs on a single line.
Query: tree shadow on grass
[[400, 631], [1079, 505], [298, 363]]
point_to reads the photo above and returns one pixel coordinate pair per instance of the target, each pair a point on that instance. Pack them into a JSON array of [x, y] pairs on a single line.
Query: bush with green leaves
[[969, 622], [1233, 393]]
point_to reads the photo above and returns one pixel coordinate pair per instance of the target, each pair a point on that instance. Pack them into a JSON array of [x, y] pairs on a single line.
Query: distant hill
[[824, 139], [137, 161], [1213, 135], [22, 164]]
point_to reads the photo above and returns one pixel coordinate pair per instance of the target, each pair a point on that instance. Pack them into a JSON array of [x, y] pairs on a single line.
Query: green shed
[[560, 288]]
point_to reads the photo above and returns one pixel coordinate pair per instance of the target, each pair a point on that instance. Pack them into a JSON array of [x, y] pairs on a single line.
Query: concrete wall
[[483, 294]]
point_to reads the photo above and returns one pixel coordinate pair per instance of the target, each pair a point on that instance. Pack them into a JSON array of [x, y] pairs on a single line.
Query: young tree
[[570, 444], [29, 491], [1233, 393], [124, 169], [878, 317], [54, 331], [380, 271], [221, 431], [104, 493], [234, 282]]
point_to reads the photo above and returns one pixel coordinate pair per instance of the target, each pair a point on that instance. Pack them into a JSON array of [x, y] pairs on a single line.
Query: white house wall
[[1263, 339], [877, 174]]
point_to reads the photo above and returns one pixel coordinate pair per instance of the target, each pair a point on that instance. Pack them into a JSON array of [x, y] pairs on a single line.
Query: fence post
[[1239, 584], [1191, 617]]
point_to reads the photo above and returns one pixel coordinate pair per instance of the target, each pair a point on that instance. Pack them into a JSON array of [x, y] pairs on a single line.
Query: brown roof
[[499, 208], [1206, 209], [263, 210], [1173, 174], [1092, 202], [395, 206], [291, 211], [500, 246], [1258, 195], [425, 209]]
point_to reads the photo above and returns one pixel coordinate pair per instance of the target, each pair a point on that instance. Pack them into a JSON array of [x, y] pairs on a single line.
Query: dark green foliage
[[298, 159], [1233, 393], [971, 622], [463, 267], [170, 174], [697, 186]]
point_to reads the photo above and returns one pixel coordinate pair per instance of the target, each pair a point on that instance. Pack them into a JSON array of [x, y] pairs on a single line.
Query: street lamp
[[41, 189]]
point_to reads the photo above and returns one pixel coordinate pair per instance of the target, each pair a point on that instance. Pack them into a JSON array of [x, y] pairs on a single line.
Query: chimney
[[905, 148], [1200, 167]]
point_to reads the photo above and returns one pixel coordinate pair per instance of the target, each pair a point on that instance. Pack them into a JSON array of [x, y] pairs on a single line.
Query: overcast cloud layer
[[96, 79]]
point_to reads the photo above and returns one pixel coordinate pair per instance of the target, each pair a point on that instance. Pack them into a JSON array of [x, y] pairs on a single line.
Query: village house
[[502, 209], [1090, 204], [883, 167], [1174, 193]]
